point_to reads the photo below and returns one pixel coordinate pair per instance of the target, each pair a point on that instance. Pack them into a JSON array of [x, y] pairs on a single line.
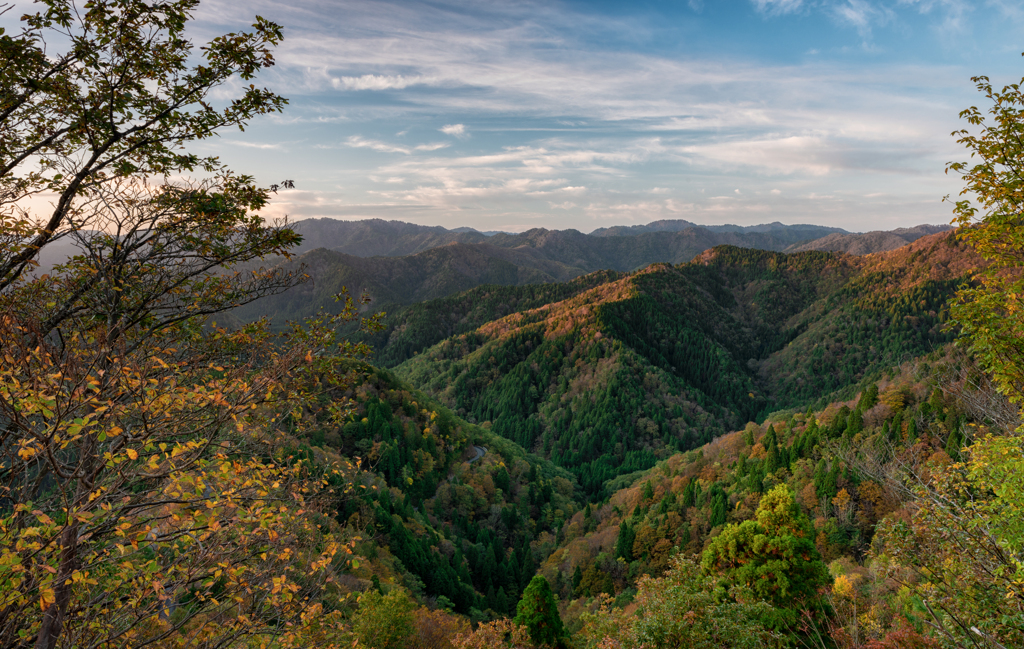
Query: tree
[[773, 555], [964, 543], [384, 621], [961, 551], [538, 612], [145, 484], [682, 609], [121, 100], [437, 629], [624, 542], [499, 634], [148, 488], [990, 312]]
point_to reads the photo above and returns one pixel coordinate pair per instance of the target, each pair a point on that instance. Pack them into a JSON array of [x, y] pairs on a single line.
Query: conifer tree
[[538, 612], [624, 544], [774, 555]]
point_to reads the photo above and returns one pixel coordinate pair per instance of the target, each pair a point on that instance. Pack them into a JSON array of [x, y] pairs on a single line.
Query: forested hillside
[[609, 380], [868, 242], [845, 465], [449, 510], [396, 282], [410, 330]]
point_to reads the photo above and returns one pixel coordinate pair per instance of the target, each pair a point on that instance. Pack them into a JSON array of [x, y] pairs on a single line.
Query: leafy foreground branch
[[147, 494]]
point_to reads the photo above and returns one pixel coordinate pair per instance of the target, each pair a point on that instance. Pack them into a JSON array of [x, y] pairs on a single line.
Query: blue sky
[[582, 114]]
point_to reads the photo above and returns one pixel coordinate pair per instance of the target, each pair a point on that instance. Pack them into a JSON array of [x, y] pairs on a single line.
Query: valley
[[630, 416]]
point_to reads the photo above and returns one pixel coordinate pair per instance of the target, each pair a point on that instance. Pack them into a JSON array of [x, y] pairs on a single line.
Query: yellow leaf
[[132, 453], [46, 597]]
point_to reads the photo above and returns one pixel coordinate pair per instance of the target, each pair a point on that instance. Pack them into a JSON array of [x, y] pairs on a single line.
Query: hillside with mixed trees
[[649, 437], [613, 378]]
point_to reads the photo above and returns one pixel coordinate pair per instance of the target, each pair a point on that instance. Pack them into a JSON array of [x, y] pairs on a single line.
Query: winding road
[[480, 451]]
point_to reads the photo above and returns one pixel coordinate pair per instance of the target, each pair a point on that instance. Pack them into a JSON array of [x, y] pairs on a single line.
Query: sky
[[512, 114]]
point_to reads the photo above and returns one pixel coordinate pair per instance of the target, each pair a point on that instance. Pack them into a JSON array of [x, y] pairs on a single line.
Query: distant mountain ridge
[[599, 250], [377, 237], [399, 264], [803, 231], [620, 247], [869, 242]]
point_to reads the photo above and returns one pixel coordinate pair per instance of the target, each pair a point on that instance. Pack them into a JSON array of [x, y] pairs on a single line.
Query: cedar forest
[[746, 449]]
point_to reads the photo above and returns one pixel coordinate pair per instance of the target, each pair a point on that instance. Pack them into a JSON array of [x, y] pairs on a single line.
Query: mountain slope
[[377, 237], [409, 330], [893, 309], [903, 420], [395, 281], [446, 508], [608, 380]]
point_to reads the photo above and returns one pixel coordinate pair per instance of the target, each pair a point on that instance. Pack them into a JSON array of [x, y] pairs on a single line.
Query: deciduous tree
[[990, 313], [147, 491], [121, 99]]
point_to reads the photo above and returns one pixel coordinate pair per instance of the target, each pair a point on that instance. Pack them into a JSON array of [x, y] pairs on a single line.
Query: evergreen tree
[[774, 555], [719, 505], [624, 544], [538, 612], [577, 577]]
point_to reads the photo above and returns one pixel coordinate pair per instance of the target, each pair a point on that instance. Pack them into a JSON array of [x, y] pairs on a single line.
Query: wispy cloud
[[457, 130], [379, 82], [358, 142], [778, 7], [431, 147], [564, 103], [252, 145], [862, 15]]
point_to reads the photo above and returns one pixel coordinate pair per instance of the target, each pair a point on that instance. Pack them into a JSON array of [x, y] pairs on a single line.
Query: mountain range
[[399, 264], [589, 421]]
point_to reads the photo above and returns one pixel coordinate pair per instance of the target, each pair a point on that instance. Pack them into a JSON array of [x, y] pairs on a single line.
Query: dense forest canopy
[[751, 448]]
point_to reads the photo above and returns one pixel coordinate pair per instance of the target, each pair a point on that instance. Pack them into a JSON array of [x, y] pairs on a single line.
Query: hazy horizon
[[612, 225]]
